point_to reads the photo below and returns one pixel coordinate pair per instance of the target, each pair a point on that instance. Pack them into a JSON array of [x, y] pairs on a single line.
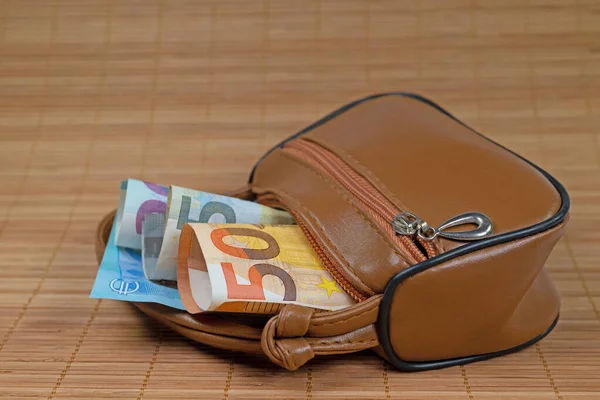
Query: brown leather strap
[[296, 335], [289, 339]]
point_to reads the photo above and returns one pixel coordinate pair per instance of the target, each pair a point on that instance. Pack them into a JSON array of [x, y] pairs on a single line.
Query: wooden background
[[191, 93]]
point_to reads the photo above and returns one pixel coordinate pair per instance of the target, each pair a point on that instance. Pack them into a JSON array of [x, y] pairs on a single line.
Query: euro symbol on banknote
[[124, 288], [120, 277]]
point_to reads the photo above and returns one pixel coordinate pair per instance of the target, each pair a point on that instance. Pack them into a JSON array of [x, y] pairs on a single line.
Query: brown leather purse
[[439, 233]]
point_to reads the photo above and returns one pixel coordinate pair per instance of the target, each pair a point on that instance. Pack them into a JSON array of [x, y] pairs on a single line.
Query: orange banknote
[[252, 269]]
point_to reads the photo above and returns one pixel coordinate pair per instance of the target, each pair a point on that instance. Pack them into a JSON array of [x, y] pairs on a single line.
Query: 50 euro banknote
[[188, 205], [252, 269]]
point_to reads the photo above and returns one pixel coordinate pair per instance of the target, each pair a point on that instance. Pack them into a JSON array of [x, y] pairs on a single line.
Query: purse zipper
[[407, 231], [381, 210], [334, 270]]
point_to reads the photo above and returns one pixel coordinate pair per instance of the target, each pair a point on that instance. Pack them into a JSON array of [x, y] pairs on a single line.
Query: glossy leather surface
[[422, 160], [334, 217], [488, 300], [430, 164], [436, 167], [483, 302]]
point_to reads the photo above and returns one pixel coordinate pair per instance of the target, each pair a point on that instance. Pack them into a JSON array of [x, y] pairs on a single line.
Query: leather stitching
[[282, 193], [344, 320], [347, 200], [364, 170], [367, 172], [348, 341], [324, 236]]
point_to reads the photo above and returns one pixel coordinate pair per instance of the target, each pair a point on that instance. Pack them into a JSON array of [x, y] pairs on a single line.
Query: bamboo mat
[[192, 93]]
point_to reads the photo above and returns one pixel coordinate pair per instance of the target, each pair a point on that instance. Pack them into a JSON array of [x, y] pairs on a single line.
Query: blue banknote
[[138, 198], [121, 277]]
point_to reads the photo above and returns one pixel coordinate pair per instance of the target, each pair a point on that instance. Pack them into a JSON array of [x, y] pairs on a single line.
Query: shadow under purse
[[437, 232]]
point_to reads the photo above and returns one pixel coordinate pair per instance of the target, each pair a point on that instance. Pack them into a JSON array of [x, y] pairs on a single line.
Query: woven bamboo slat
[[192, 93]]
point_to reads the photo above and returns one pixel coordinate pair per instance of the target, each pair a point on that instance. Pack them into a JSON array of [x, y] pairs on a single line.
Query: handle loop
[[289, 339], [297, 334]]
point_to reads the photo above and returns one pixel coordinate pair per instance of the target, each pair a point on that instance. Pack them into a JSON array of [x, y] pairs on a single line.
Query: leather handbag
[[439, 234]]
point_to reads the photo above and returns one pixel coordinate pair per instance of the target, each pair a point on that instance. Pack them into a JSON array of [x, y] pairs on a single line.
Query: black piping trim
[[384, 308], [429, 365]]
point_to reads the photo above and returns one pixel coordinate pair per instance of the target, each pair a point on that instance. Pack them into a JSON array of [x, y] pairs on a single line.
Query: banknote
[[187, 205], [153, 229], [120, 277], [252, 269], [137, 199]]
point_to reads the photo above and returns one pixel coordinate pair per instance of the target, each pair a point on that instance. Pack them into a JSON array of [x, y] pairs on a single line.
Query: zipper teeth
[[429, 247], [331, 267], [375, 203]]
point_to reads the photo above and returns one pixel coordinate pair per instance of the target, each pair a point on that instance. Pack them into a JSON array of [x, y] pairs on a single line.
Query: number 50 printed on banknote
[[252, 268]]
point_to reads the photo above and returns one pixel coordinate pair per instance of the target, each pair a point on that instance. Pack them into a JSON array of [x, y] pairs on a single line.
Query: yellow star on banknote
[[328, 285]]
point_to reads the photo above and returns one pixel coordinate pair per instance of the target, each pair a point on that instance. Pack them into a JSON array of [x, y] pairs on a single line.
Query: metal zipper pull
[[409, 224]]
